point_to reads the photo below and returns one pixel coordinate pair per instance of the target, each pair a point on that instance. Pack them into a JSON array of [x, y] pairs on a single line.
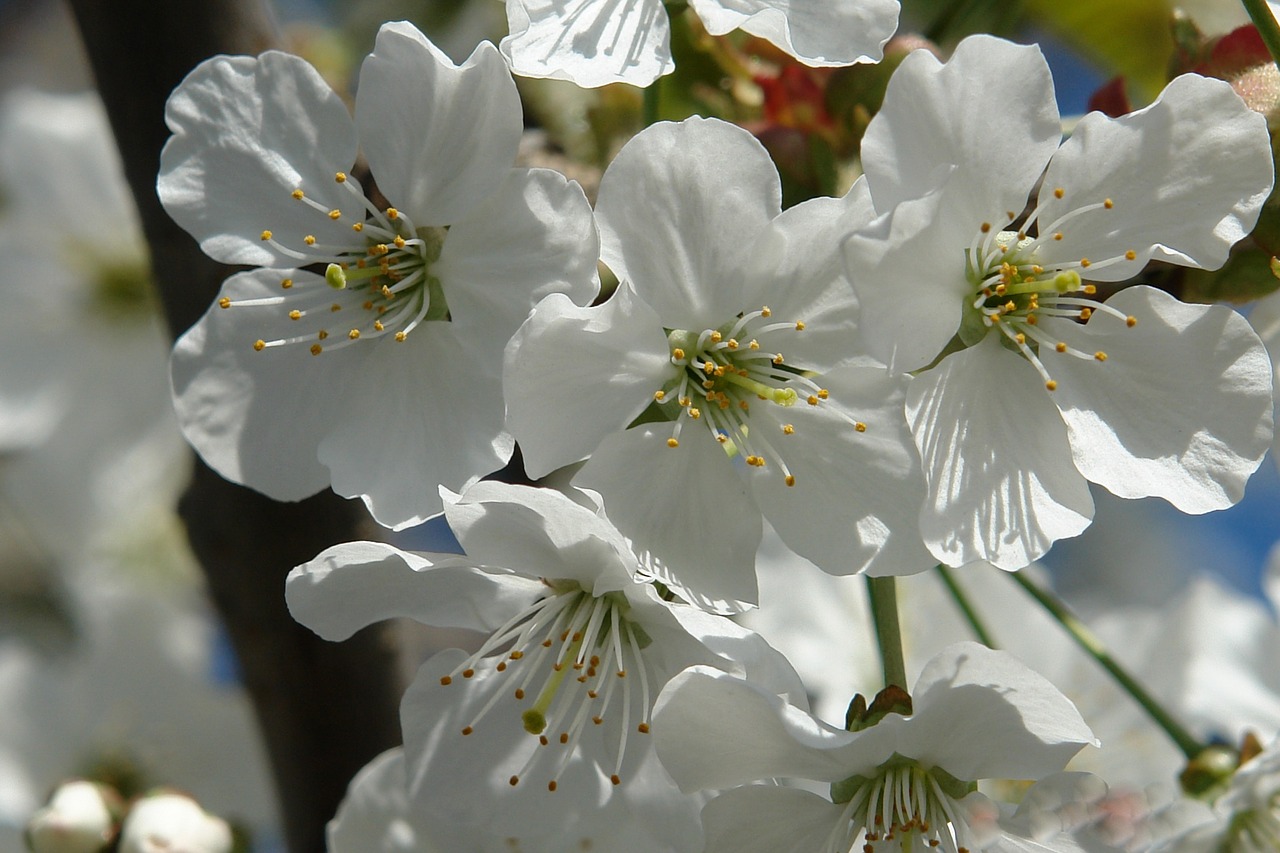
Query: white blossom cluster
[[930, 369]]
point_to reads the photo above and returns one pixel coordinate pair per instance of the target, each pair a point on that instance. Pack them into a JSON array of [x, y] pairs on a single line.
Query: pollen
[[340, 177], [297, 194], [392, 213], [765, 311], [659, 396], [1085, 262], [259, 345], [335, 214], [295, 314], [354, 334], [514, 780], [643, 728], [672, 442], [1059, 192], [1131, 255], [812, 400], [266, 235], [788, 429], [1057, 235], [310, 239], [224, 302], [1061, 347], [790, 480], [777, 359], [859, 426], [357, 226], [1051, 385], [1100, 355], [986, 228], [716, 337], [799, 325], [677, 354], [1086, 313], [1131, 321], [823, 393], [446, 680], [286, 283], [399, 241], [1089, 289], [316, 349], [1108, 204], [467, 730]]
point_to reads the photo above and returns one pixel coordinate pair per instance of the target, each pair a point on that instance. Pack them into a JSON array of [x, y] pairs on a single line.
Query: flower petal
[[937, 115], [1187, 177], [713, 730], [374, 815], [438, 136], [257, 417], [435, 401], [356, 584], [855, 505], [247, 133], [685, 510], [982, 714], [1181, 408], [591, 42], [1002, 486], [676, 207], [769, 819], [573, 375], [837, 32], [533, 236], [540, 533]]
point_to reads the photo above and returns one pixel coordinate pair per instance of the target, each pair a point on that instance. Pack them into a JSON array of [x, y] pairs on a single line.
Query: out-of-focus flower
[[595, 42], [903, 781], [172, 823], [1031, 386], [728, 385], [381, 376], [1246, 818], [80, 817], [548, 721]]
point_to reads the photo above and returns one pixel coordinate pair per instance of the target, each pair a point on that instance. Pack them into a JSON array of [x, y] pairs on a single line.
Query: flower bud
[[169, 823], [77, 819]]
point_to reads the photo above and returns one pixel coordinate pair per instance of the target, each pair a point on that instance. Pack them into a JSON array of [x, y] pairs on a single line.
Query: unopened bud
[[79, 818], [169, 822]]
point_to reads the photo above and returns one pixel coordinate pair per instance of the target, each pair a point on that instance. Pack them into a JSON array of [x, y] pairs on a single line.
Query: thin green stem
[[884, 613], [962, 601], [1089, 641], [649, 110], [1265, 20]]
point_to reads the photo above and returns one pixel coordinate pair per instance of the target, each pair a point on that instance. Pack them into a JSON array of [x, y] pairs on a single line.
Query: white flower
[[1148, 396], [173, 823], [1265, 318], [595, 42], [377, 817], [78, 818], [381, 376], [549, 719], [978, 714], [1246, 818], [727, 332]]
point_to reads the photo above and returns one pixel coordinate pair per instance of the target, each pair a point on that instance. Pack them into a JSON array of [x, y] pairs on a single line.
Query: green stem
[[649, 111], [966, 607], [1268, 28], [1190, 746], [884, 612]]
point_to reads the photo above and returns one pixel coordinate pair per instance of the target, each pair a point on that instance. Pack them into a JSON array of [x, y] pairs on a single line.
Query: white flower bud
[[173, 823], [77, 819]]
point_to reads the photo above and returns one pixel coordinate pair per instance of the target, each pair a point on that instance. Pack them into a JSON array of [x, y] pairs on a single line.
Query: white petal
[[676, 207], [257, 417], [533, 236], [1002, 486], [246, 134], [684, 509], [430, 414], [712, 730], [982, 714], [591, 42], [796, 268], [908, 269], [438, 136], [835, 32], [938, 115], [1181, 408], [540, 533], [355, 584], [855, 505], [574, 375], [1187, 176], [769, 819], [375, 813]]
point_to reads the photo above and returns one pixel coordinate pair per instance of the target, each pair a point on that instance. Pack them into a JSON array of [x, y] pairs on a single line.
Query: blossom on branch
[[1028, 383], [365, 351]]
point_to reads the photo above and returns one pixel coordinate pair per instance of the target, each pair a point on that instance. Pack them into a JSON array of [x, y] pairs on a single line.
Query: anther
[[266, 235], [659, 395], [340, 177], [316, 349], [286, 283], [1100, 355], [677, 354], [986, 228], [519, 693], [788, 429], [1058, 192], [295, 314], [672, 442], [615, 779], [467, 730], [1108, 203], [259, 345], [1051, 385], [1085, 262], [446, 680], [799, 325], [643, 728], [354, 334], [514, 780], [1061, 346], [335, 214], [790, 480], [551, 786], [357, 226], [297, 194], [392, 213], [224, 302], [310, 240], [859, 426], [1131, 321], [1131, 255]]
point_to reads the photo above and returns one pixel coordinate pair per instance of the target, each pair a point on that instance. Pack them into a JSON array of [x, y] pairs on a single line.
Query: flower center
[[577, 655], [904, 807], [1013, 288], [722, 372], [1256, 830], [379, 283]]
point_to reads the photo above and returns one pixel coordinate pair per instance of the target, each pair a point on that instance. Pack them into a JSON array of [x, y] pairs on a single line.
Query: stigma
[[1013, 287], [379, 282], [721, 373], [572, 659]]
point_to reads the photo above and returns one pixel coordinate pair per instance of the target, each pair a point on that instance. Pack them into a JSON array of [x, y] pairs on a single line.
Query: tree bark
[[325, 709]]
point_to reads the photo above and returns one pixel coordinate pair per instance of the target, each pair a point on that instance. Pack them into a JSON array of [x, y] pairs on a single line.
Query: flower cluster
[[928, 369]]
